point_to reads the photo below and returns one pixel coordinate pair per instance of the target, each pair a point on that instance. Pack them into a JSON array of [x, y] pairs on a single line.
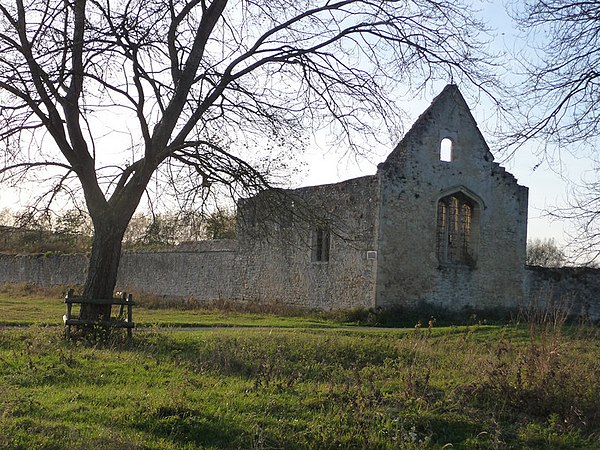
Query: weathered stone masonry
[[206, 270], [439, 222], [576, 288], [414, 180], [280, 251]]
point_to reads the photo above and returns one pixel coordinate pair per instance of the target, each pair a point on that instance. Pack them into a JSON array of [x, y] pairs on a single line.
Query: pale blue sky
[[546, 187]]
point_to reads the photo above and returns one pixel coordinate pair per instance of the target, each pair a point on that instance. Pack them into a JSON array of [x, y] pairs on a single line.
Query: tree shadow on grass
[[185, 426]]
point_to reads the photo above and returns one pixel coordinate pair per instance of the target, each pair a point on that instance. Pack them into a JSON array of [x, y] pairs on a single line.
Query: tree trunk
[[102, 269]]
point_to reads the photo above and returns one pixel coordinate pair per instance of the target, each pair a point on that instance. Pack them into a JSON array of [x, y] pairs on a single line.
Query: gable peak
[[443, 112], [449, 93]]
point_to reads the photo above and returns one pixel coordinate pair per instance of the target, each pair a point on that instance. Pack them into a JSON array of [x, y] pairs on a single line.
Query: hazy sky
[[546, 187]]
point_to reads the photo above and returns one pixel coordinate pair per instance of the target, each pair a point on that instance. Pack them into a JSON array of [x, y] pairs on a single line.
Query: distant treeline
[[71, 231]]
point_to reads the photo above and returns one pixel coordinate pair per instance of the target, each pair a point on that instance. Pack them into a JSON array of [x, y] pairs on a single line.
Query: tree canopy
[[544, 253]]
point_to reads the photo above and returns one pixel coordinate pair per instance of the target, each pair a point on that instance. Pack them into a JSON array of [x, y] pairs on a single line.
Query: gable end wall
[[413, 179]]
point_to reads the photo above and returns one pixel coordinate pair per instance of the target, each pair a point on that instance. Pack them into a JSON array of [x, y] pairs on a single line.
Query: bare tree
[[561, 91], [559, 104], [201, 85], [583, 211], [544, 253]]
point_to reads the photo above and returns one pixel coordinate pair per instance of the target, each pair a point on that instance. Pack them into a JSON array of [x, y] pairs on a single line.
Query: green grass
[[38, 310], [271, 381], [299, 388], [30, 311]]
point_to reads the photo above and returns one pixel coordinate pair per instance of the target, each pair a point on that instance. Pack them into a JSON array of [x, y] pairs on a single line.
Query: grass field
[[34, 308], [283, 382]]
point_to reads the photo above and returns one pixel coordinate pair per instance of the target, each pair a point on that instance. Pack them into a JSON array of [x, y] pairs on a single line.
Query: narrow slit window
[[446, 150], [321, 243]]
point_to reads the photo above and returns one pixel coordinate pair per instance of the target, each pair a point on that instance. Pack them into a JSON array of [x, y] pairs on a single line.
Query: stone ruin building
[[440, 222]]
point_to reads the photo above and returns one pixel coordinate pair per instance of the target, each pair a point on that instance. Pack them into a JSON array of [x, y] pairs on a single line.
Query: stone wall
[[205, 270], [272, 262], [576, 289], [43, 270], [214, 270], [277, 245]]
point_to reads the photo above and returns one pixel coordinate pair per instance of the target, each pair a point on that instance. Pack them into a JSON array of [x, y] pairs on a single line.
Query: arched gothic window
[[455, 229]]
